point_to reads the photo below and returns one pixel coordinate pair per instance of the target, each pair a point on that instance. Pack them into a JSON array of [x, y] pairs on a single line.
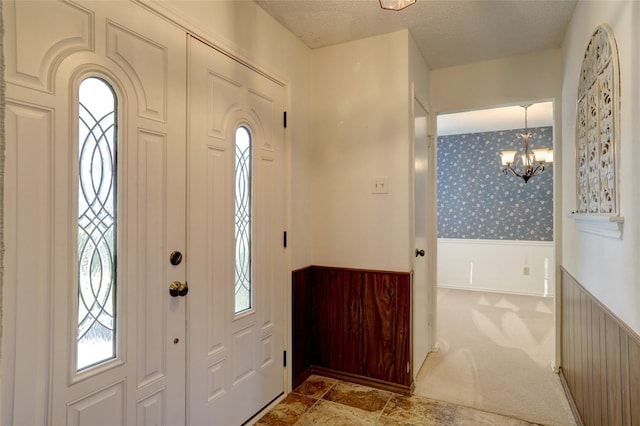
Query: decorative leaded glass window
[[597, 126], [243, 219], [97, 207]]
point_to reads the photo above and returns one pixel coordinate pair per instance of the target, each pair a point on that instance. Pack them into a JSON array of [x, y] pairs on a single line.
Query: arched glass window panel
[[242, 219], [97, 223]]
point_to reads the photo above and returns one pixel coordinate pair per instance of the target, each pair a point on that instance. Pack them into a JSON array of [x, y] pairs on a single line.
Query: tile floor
[[328, 402]]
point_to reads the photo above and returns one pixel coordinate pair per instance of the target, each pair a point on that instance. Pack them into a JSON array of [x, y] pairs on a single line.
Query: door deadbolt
[[175, 258], [178, 289]]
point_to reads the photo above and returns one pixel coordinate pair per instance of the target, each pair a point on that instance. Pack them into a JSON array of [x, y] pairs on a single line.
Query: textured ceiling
[[448, 32]]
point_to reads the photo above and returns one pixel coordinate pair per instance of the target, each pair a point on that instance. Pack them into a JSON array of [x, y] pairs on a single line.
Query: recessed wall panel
[[223, 99], [38, 35], [262, 108], [102, 408], [267, 351], [216, 384], [146, 63], [150, 411], [28, 269], [219, 274], [267, 230], [244, 350], [151, 259]]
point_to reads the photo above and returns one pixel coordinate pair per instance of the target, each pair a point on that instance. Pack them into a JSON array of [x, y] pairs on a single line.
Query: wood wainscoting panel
[[379, 332], [404, 361], [634, 378], [614, 385], [352, 324], [335, 305], [322, 324], [300, 320], [600, 359]]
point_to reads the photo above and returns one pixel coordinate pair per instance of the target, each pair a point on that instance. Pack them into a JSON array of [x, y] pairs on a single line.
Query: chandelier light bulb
[[396, 4]]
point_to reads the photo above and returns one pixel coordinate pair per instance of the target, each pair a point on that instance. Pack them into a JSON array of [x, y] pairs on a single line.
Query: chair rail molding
[[602, 225]]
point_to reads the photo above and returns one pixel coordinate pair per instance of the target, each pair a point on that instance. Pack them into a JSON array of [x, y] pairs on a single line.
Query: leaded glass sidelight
[[243, 220], [97, 207]]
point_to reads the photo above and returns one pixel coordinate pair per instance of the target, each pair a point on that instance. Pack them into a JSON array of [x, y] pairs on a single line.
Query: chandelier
[[529, 164], [396, 4]]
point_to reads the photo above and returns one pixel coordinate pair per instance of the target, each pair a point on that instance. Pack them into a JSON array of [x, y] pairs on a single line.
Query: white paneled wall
[[522, 267]]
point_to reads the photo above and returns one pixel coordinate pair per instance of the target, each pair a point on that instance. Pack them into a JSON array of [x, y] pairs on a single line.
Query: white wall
[[506, 81], [495, 265], [361, 115], [609, 268], [245, 29]]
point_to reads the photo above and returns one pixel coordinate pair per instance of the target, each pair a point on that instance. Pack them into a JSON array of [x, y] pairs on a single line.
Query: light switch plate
[[380, 185]]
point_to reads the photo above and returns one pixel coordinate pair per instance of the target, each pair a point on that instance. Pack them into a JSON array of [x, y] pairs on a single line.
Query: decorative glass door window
[[97, 224], [242, 219]]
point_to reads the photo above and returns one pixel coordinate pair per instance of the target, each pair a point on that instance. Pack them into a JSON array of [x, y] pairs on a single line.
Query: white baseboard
[[493, 290]]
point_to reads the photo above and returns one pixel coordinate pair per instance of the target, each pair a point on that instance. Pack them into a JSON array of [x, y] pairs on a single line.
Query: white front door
[[235, 228], [95, 208], [95, 196]]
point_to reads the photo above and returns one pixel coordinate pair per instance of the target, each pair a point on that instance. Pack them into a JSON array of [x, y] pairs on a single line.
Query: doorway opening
[[495, 269]]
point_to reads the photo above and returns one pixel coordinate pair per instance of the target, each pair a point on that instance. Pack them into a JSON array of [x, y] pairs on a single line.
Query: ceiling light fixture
[[531, 163], [396, 4]]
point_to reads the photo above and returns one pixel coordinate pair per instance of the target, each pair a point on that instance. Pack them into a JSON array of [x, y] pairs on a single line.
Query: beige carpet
[[496, 352]]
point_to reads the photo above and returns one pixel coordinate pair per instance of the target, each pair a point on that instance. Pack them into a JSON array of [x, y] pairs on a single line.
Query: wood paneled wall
[[352, 324], [600, 359]]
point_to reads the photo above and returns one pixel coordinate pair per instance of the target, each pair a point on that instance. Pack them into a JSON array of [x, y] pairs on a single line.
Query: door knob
[[419, 252], [178, 289]]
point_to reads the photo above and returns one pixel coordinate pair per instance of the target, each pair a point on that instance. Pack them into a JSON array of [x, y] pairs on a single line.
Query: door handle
[[178, 289], [419, 252]]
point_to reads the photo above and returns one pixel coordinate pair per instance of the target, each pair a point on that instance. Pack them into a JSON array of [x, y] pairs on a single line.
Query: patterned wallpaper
[[477, 201]]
